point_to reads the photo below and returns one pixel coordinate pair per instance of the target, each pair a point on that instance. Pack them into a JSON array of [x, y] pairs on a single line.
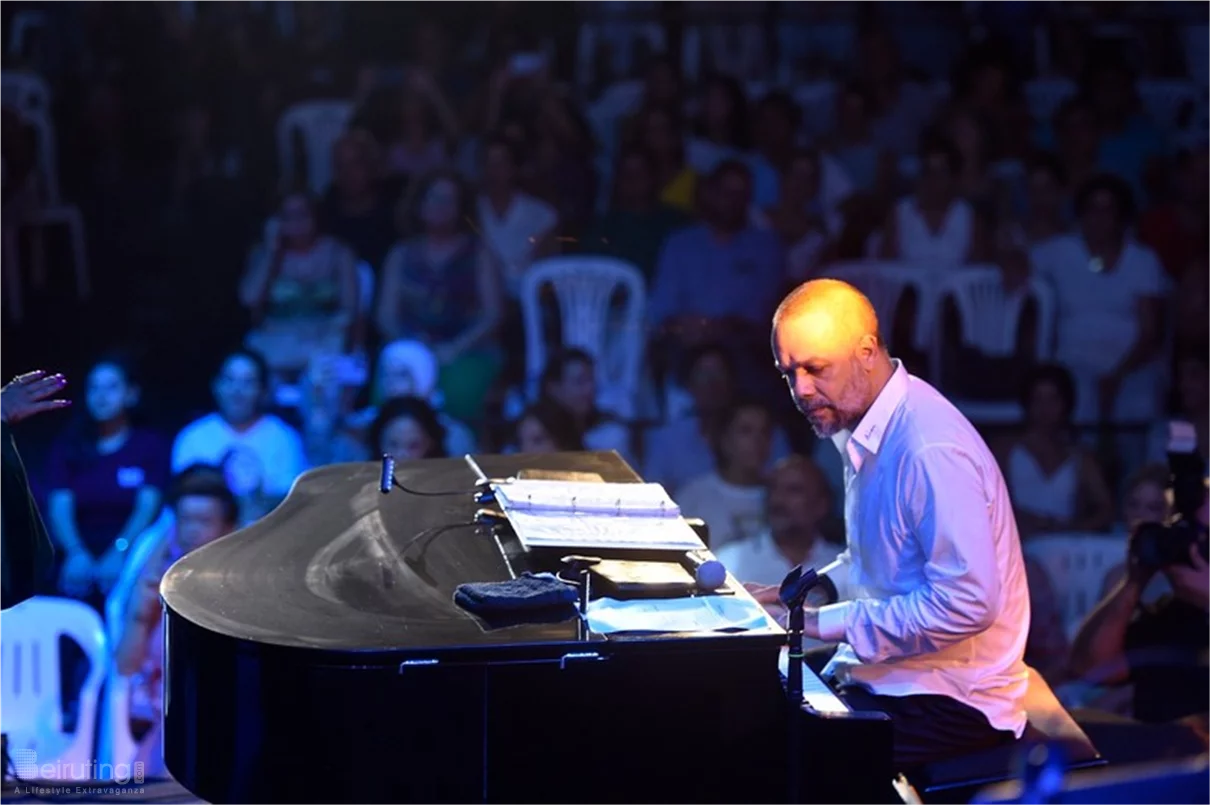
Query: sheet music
[[572, 514], [705, 613], [650, 500]]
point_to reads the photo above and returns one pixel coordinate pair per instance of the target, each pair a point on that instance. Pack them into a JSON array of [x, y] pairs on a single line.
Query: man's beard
[[828, 418]]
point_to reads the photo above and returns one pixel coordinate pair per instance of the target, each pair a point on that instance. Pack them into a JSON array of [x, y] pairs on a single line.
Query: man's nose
[[804, 386]]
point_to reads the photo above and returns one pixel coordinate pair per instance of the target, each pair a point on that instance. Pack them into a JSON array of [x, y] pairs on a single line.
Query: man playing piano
[[935, 632]]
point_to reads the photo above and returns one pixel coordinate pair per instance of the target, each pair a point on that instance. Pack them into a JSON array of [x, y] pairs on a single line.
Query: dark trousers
[[924, 727]]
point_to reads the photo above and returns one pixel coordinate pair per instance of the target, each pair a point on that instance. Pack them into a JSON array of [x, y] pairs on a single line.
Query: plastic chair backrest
[[883, 283], [990, 319], [321, 124], [30, 673], [1077, 564], [584, 288]]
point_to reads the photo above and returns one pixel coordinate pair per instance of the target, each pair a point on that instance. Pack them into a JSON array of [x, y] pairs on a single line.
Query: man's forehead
[[812, 333]]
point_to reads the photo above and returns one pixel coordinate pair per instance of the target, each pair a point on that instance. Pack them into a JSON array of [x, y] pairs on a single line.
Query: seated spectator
[[403, 369], [775, 127], [745, 267], [637, 223], [852, 144], [1077, 140], [1109, 291], [105, 477], [407, 429], [975, 182], [358, 209], [570, 380], [798, 216], [1047, 203], [1192, 302], [661, 131], [545, 427], [517, 228], [1131, 145], [663, 88], [560, 170], [797, 504], [1146, 501], [901, 107], [987, 88], [1191, 401], [442, 287], [260, 454], [677, 451], [935, 226], [1177, 229], [1056, 485], [302, 292], [721, 132], [204, 509], [731, 498], [426, 125]]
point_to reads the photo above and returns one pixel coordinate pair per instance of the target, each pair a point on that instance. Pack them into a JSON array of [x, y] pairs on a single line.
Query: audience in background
[[302, 291], [1191, 401], [1176, 230], [731, 497], [721, 131], [661, 131], [1055, 484], [442, 287], [570, 381], [798, 216], [105, 477], [546, 427], [407, 429], [260, 454], [425, 127], [1047, 213], [203, 509], [357, 210]]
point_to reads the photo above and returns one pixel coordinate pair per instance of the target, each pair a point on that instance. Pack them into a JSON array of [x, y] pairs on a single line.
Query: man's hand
[[30, 394], [1191, 584], [810, 623], [76, 575]]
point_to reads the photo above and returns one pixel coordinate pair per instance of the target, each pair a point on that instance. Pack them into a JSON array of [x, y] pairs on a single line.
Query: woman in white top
[[1109, 291], [935, 225], [517, 227], [731, 499], [1056, 486]]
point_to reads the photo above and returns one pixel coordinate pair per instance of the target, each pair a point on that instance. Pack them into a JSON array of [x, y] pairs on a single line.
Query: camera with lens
[[1156, 545]]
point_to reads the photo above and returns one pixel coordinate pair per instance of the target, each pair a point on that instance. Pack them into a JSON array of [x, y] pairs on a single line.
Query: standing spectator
[[260, 454], [722, 129], [637, 223], [407, 429], [517, 227], [442, 287], [105, 478], [357, 210], [302, 292], [1055, 484], [1109, 290], [570, 380], [731, 498]]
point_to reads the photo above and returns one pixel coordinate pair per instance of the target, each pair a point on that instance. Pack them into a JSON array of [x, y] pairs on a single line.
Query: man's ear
[[867, 350]]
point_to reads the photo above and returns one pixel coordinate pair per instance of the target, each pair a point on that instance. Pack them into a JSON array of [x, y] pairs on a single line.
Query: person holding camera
[[1160, 648]]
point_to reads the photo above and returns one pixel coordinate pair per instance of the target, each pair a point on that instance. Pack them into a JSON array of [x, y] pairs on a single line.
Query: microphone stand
[[793, 594]]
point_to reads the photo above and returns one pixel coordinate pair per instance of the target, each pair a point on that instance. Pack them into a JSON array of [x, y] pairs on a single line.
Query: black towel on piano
[[525, 594]]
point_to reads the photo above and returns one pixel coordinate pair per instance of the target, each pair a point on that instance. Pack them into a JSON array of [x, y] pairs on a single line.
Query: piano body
[[307, 659]]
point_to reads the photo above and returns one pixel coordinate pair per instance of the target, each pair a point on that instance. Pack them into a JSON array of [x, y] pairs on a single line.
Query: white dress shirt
[[940, 603]]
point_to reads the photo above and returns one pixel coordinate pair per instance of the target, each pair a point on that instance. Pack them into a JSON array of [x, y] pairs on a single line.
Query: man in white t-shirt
[[260, 454], [517, 227]]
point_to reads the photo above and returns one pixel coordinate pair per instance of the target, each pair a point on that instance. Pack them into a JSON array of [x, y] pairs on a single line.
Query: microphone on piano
[[709, 573], [388, 475], [800, 583]]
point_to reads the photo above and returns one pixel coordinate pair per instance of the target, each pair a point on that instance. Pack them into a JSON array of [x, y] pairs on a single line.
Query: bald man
[[934, 633]]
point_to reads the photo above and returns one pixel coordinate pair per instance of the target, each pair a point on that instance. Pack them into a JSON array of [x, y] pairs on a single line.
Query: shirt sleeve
[[948, 512]]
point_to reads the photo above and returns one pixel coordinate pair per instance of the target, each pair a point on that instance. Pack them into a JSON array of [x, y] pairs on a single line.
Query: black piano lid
[[322, 570]]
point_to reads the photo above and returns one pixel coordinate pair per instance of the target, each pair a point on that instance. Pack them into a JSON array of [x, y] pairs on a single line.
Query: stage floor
[[166, 792]]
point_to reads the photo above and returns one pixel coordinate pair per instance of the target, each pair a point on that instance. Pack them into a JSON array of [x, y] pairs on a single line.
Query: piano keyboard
[[815, 692]]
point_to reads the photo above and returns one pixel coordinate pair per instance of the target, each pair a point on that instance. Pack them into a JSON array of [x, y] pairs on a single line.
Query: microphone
[[799, 583], [388, 475], [709, 573]]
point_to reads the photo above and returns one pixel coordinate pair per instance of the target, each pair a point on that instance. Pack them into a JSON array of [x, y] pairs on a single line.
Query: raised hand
[[31, 394]]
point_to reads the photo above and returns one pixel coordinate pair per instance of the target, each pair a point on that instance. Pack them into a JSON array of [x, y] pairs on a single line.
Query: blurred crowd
[[324, 215]]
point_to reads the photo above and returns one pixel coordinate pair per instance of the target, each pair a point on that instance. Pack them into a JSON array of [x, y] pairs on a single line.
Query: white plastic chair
[[115, 743], [29, 647], [990, 321], [583, 289], [1077, 565], [321, 124], [883, 283], [1045, 95], [23, 23], [32, 102]]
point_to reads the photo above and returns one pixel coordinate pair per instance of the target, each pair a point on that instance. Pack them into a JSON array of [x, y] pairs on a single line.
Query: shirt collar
[[869, 432]]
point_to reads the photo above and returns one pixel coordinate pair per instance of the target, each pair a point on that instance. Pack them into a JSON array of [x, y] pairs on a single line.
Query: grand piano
[[310, 657]]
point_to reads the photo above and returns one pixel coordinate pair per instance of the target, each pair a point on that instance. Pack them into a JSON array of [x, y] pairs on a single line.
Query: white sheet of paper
[[706, 613]]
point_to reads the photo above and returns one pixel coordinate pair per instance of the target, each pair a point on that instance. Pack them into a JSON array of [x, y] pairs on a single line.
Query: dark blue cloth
[[527, 592]]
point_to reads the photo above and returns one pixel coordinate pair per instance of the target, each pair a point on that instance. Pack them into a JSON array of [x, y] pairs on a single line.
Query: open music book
[[574, 514]]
